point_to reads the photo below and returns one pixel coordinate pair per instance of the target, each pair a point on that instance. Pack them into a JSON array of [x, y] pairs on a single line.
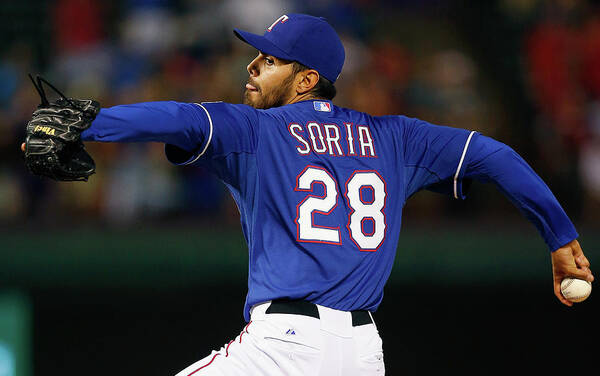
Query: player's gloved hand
[[53, 146], [569, 261]]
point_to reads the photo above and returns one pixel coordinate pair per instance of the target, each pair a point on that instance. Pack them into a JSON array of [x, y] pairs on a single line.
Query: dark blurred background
[[142, 270]]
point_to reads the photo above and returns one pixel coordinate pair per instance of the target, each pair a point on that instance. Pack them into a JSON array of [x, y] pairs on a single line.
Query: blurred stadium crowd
[[526, 72]]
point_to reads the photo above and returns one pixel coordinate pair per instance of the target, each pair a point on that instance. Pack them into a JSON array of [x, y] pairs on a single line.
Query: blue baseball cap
[[308, 40]]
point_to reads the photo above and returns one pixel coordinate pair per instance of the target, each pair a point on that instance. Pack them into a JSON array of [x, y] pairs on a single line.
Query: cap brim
[[262, 44]]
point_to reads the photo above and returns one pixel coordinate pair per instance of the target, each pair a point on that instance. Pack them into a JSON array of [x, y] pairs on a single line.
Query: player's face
[[270, 83]]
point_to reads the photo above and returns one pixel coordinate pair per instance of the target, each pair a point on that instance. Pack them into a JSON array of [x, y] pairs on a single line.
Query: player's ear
[[306, 81]]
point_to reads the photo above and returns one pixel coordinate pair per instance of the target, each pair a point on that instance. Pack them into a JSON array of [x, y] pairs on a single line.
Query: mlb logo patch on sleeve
[[322, 106]]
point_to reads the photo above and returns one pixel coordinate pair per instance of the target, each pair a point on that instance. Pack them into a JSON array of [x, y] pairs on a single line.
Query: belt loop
[[257, 312], [335, 321]]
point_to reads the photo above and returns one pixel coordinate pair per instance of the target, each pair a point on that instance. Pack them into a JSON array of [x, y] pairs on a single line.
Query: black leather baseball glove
[[53, 146]]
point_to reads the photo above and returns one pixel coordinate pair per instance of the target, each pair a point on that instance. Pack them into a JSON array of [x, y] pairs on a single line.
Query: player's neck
[[301, 97]]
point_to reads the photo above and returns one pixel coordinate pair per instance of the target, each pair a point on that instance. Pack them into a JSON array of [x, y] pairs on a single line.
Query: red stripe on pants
[[206, 365]]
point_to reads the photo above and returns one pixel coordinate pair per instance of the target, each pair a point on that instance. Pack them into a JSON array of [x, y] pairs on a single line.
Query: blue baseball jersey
[[320, 188]]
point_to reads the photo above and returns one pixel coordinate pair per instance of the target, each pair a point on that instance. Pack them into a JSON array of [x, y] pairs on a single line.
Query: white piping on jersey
[[210, 123], [462, 158]]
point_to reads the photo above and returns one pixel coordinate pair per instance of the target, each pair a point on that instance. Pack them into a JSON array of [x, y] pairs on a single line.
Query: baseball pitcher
[[320, 190]]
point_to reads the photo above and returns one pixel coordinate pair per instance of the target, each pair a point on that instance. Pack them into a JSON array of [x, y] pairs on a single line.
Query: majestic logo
[[281, 19], [322, 106]]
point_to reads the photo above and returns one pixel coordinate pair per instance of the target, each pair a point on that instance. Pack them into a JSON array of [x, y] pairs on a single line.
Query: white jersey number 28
[[360, 210]]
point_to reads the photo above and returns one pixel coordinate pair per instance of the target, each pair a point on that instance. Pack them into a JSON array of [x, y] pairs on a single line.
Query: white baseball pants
[[276, 344]]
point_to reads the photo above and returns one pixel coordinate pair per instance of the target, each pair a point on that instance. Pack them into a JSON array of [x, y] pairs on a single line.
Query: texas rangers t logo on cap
[[281, 19], [322, 106]]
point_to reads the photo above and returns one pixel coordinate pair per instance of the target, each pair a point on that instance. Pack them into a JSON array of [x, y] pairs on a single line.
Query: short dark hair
[[323, 89]]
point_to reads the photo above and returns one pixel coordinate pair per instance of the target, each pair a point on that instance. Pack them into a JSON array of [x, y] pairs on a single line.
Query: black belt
[[304, 308]]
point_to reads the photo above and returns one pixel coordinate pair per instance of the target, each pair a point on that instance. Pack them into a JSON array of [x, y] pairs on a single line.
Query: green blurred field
[[189, 257], [468, 298]]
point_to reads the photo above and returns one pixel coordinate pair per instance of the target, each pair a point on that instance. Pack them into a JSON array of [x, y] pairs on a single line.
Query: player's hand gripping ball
[[575, 290], [53, 146]]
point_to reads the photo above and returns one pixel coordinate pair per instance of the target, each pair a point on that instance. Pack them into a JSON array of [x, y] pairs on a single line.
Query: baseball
[[575, 290]]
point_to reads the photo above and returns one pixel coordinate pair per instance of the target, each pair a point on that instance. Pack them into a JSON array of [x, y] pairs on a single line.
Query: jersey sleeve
[[434, 157], [181, 124], [444, 159], [232, 128], [492, 161]]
